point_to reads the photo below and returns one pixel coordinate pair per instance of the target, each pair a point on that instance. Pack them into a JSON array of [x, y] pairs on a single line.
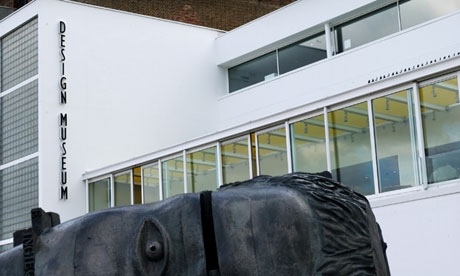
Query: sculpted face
[[298, 224]]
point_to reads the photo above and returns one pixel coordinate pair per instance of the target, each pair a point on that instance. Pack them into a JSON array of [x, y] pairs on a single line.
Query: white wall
[[422, 235], [135, 85]]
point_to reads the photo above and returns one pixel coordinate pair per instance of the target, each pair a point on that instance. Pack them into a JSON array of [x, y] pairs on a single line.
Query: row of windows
[[398, 140], [379, 23]]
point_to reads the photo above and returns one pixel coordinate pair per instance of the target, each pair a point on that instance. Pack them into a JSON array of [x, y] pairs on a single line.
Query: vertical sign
[[63, 115]]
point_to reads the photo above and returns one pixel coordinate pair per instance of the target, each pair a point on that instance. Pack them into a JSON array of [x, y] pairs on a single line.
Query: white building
[[103, 108]]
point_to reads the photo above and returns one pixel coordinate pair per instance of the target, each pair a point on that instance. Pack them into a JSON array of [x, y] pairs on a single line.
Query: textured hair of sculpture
[[296, 224], [342, 214]]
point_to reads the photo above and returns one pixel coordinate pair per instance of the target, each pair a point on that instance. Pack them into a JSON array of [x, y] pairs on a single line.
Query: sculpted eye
[[154, 251], [152, 248]]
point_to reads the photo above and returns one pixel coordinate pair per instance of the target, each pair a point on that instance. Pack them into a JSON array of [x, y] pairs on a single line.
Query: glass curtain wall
[[253, 71], [202, 170], [151, 182], [99, 194], [302, 53], [173, 176], [272, 152], [350, 148], [236, 160], [418, 11], [439, 105], [367, 28], [395, 141], [122, 188], [308, 140], [137, 185]]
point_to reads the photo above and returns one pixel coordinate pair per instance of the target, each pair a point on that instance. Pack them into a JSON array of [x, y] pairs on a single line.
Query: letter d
[[61, 27]]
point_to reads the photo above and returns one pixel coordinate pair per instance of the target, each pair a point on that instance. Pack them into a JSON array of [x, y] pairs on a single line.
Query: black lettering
[[63, 163], [63, 83], [63, 133], [62, 59], [62, 40], [63, 97], [64, 192], [63, 177], [64, 150], [63, 119], [62, 27]]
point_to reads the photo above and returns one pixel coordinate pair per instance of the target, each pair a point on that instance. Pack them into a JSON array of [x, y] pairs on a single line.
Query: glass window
[[368, 28], [137, 184], [202, 170], [173, 176], [418, 11], [236, 163], [99, 194], [395, 141], [351, 157], [151, 182], [122, 189], [439, 104], [302, 53], [271, 152], [309, 145], [253, 71]]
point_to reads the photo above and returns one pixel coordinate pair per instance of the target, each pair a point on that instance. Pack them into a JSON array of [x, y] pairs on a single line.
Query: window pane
[[302, 53], [151, 182], [173, 177], [441, 127], [395, 141], [99, 192], [137, 183], [122, 189], [351, 156], [235, 161], [309, 145], [201, 170], [418, 11], [366, 29], [252, 72], [272, 152]]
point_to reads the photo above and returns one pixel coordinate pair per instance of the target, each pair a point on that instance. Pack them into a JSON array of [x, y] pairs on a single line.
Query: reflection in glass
[[302, 53], [122, 189], [365, 29], [151, 182], [309, 145], [253, 71], [235, 161], [272, 152], [418, 11], [99, 194], [439, 103], [202, 170], [395, 141], [173, 176], [351, 157]]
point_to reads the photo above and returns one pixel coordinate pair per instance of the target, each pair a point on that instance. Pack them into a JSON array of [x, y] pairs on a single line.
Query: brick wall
[[219, 14]]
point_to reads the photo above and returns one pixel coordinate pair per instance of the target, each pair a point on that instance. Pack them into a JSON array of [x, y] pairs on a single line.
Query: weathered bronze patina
[[297, 224]]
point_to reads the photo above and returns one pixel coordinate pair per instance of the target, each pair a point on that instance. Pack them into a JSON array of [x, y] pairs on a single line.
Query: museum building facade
[[102, 108]]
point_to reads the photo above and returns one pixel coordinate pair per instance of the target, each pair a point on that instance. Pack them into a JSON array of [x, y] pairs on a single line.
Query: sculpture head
[[298, 224]]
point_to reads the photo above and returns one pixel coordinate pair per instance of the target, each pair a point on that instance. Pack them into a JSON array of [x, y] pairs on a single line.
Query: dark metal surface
[[297, 224]]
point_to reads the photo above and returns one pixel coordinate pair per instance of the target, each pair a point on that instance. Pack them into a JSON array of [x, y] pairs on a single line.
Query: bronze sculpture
[[297, 224]]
